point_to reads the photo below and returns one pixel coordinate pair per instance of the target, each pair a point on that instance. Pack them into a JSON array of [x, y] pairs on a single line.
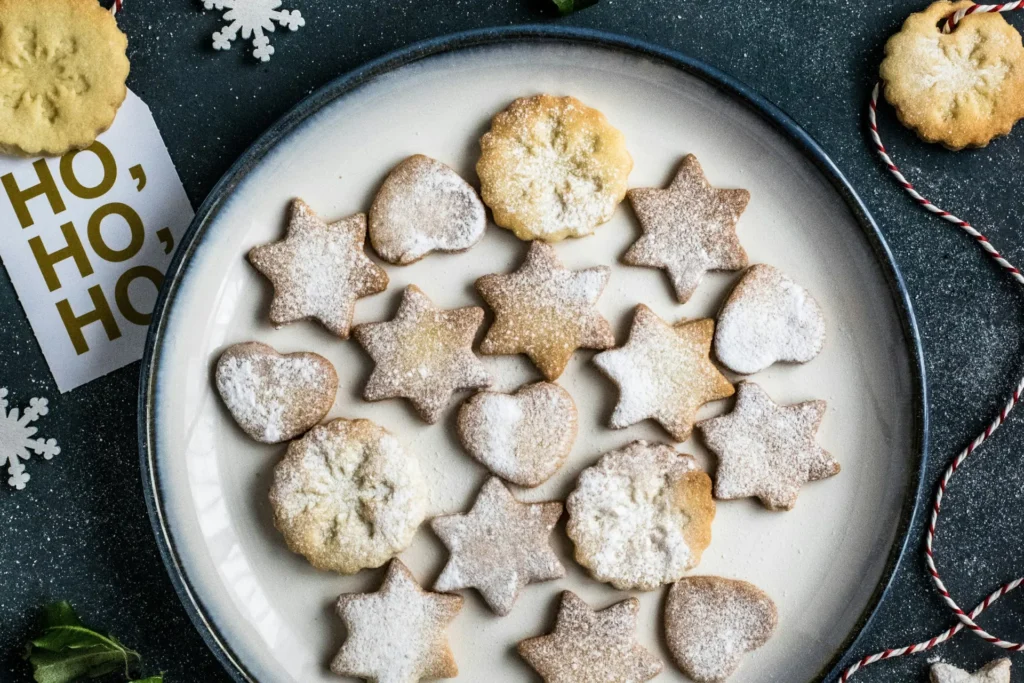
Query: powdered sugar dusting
[[768, 318], [546, 310], [996, 671], [552, 168], [689, 228], [664, 373], [397, 635], [348, 496], [524, 437], [711, 622], [767, 450], [423, 206], [499, 546], [629, 519], [271, 396], [319, 270]]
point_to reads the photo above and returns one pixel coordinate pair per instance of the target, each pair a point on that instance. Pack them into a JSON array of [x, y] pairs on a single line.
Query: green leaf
[[60, 614], [64, 667], [66, 650], [151, 679], [569, 6]]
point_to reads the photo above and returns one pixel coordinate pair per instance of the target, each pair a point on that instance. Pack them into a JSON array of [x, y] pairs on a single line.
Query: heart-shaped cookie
[[424, 206], [711, 622], [275, 397], [768, 318], [522, 437]]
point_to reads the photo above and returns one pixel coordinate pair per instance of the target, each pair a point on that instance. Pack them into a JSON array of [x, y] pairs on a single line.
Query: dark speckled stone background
[[80, 530]]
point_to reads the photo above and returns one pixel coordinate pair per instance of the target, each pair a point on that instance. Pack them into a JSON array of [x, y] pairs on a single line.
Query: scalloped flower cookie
[[552, 167], [347, 496], [961, 88], [62, 74], [641, 517]]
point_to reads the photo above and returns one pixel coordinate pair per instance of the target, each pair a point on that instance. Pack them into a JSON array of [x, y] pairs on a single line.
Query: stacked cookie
[[348, 496]]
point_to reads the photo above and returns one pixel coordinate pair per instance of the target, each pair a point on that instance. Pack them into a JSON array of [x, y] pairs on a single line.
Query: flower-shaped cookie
[[961, 88], [997, 671], [62, 74]]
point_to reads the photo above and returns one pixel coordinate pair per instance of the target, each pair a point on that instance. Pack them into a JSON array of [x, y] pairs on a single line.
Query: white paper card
[[86, 239]]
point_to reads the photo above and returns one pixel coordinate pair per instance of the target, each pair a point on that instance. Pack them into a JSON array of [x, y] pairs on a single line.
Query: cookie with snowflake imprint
[[767, 450], [997, 671], [62, 75], [424, 206], [397, 635], [663, 373], [552, 167], [962, 88], [318, 270], [424, 354], [499, 546], [711, 622], [546, 311], [768, 318], [523, 437], [275, 397], [591, 646], [688, 228], [347, 496], [641, 517]]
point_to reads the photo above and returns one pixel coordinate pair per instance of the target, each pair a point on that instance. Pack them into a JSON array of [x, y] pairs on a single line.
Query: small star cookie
[[424, 354], [424, 206], [590, 646], [767, 450], [499, 546], [641, 517], [997, 671], [962, 88], [318, 270], [62, 75], [663, 373], [397, 635], [711, 622], [689, 228], [545, 311], [552, 167]]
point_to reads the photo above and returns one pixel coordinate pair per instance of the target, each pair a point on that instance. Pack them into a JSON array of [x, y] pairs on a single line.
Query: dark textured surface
[[80, 530]]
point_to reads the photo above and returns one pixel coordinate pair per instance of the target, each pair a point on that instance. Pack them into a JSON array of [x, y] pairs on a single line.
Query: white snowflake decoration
[[252, 18], [16, 440]]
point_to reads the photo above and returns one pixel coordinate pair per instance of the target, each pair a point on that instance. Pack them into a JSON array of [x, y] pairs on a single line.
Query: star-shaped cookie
[[689, 228], [545, 310], [591, 647], [997, 671], [767, 450], [397, 635], [319, 269], [424, 354], [664, 373], [499, 546]]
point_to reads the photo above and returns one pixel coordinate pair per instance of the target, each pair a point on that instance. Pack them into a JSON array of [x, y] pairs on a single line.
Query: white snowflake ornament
[[252, 18], [16, 442]]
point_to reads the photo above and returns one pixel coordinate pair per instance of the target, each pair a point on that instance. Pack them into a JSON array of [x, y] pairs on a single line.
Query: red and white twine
[[964, 620]]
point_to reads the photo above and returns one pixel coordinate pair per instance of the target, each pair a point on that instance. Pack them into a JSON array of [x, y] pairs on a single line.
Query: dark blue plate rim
[[345, 84]]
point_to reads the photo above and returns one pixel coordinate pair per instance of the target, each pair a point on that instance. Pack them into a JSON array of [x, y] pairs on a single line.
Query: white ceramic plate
[[269, 616]]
